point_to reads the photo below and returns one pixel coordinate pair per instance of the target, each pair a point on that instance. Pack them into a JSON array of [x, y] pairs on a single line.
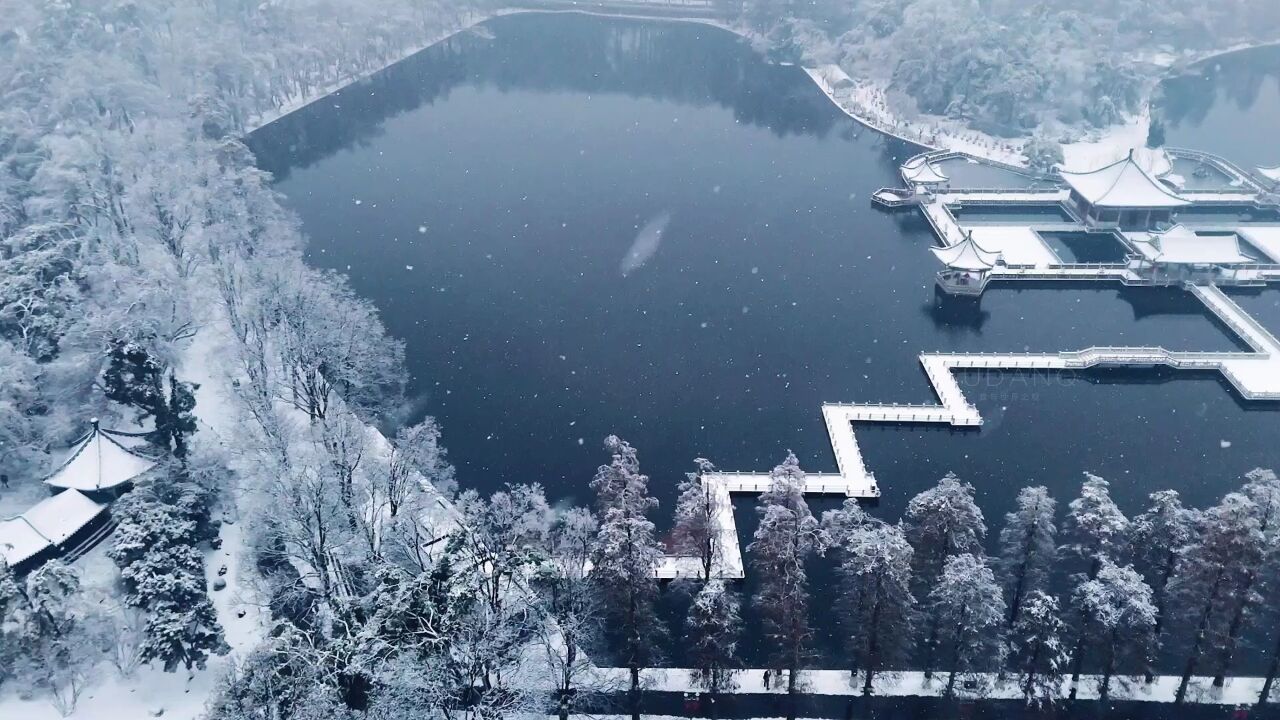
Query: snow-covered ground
[[151, 692], [866, 101]]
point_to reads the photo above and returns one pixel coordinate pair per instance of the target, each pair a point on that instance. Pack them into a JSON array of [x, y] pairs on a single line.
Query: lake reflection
[[1229, 105], [489, 194]]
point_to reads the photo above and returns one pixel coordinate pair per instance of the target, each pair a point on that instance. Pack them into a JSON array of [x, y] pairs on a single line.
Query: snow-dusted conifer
[[877, 608], [712, 628], [1263, 488], [1027, 549], [788, 535], [1119, 617], [624, 557], [941, 522], [1038, 649], [697, 527], [969, 607], [1213, 570], [1157, 538], [1095, 528]]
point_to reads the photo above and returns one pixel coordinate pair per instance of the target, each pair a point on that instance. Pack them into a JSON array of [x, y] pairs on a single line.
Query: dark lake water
[[486, 194], [1229, 105]]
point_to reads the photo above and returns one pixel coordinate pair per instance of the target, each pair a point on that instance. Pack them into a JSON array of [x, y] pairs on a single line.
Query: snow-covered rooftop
[[49, 522], [1122, 184], [923, 173], [1179, 245], [966, 255], [98, 461], [1272, 173]]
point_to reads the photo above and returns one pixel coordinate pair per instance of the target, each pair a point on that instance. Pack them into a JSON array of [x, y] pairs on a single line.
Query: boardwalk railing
[[1226, 166]]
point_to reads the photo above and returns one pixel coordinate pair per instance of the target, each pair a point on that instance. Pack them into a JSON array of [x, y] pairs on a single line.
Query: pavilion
[[968, 266], [100, 465], [923, 172], [1180, 250], [1122, 195], [50, 528]]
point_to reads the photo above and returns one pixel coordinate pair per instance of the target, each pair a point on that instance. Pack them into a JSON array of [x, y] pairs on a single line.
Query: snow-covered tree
[[1118, 619], [1095, 528], [1157, 538], [1262, 487], [697, 524], [564, 586], [711, 633], [941, 522], [969, 607], [507, 533], [1214, 569], [1027, 548], [416, 449], [624, 556], [163, 571], [787, 536], [877, 608], [138, 378], [1038, 649]]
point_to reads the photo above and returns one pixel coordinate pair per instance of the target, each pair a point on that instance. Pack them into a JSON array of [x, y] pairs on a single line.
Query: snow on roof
[[19, 541], [60, 516], [966, 255], [49, 522], [99, 462], [1179, 245], [1272, 173], [923, 173], [1122, 184]]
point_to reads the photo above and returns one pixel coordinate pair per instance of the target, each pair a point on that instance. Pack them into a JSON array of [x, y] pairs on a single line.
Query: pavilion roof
[[966, 255], [1271, 173], [99, 461], [1122, 184], [1180, 246], [923, 173], [48, 523]]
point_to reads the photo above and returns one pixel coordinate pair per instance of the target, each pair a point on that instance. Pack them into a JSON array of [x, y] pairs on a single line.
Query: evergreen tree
[[1263, 488], [788, 535], [1095, 530], [1214, 569], [624, 557], [712, 628], [137, 378], [940, 523], [969, 606], [1119, 617], [697, 531], [1158, 537], [1095, 527], [1027, 549], [163, 572], [877, 608], [1038, 649]]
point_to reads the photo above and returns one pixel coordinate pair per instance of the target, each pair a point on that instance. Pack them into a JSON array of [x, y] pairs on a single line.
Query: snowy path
[[1238, 690]]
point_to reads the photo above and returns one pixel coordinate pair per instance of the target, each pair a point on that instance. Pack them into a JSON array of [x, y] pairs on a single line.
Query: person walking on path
[[767, 674]]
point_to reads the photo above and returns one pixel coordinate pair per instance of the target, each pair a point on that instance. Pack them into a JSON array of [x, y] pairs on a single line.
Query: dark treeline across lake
[[487, 192], [1229, 105]]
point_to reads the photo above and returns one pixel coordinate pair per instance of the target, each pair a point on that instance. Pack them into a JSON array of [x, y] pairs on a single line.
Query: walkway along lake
[[643, 228]]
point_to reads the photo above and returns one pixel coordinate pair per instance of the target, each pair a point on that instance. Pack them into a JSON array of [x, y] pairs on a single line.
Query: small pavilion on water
[[968, 266]]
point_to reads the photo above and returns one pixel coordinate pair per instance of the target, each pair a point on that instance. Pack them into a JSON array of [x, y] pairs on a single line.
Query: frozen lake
[[490, 205]]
